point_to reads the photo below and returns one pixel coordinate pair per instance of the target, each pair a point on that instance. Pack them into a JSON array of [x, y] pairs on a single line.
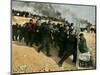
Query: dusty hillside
[[27, 59]]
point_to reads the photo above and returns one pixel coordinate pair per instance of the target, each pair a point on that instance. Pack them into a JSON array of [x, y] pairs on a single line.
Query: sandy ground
[[27, 59]]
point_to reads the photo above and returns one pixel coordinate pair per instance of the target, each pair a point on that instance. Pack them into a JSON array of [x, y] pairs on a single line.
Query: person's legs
[[20, 37], [61, 51], [66, 55], [31, 38], [16, 35], [13, 36], [47, 45], [27, 38], [40, 48], [74, 56], [42, 45], [37, 39]]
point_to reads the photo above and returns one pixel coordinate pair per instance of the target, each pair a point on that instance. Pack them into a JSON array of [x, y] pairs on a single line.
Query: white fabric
[[84, 56]]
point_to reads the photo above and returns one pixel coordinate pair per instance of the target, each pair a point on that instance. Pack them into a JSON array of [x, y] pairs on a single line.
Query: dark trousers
[[36, 38], [45, 44], [29, 38], [14, 35], [21, 36], [62, 46], [67, 54]]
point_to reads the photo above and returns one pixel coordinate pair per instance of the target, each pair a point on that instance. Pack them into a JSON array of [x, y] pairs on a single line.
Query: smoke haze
[[72, 13]]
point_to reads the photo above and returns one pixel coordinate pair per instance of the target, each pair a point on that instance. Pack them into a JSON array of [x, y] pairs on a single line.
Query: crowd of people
[[47, 34]]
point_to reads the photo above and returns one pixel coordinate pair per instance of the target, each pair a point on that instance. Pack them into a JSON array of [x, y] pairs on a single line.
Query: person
[[45, 35], [22, 33], [56, 36], [29, 36], [62, 41], [15, 29], [84, 55], [82, 44], [51, 31], [70, 47], [37, 35]]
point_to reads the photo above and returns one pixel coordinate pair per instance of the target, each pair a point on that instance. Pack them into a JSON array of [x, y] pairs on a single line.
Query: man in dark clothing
[[29, 28], [18, 32], [22, 33], [45, 35], [71, 49], [13, 32], [56, 36], [14, 29], [37, 33], [62, 41]]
